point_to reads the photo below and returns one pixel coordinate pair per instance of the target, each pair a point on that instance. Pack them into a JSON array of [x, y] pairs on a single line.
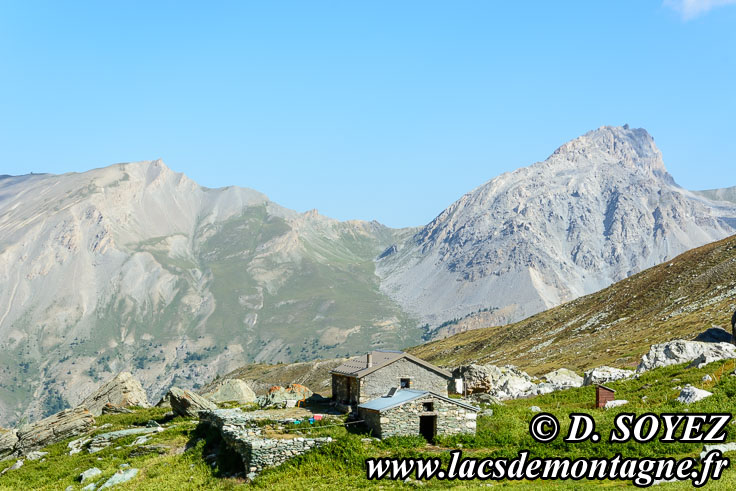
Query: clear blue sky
[[373, 110]]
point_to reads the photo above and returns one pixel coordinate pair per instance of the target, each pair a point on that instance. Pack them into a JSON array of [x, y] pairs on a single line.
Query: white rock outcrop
[[604, 374], [681, 351], [229, 390], [563, 378], [690, 394], [616, 403]]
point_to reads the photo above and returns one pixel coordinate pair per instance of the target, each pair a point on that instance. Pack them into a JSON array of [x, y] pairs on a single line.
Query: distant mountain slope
[[137, 267], [677, 299], [602, 207], [725, 194]]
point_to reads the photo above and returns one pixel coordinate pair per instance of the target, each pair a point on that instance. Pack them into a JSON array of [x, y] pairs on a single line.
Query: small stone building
[[372, 375], [408, 412]]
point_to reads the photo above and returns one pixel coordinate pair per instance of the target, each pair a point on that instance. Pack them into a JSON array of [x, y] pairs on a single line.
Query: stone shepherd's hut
[[417, 412], [372, 375]]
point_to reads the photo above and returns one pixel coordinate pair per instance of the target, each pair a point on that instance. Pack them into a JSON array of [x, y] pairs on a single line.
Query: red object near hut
[[602, 395]]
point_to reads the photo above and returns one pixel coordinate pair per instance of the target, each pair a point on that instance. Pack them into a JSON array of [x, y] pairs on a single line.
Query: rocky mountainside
[[136, 267], [678, 299], [601, 208]]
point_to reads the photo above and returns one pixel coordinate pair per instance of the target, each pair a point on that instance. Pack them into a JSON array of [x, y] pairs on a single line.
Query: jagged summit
[[600, 208]]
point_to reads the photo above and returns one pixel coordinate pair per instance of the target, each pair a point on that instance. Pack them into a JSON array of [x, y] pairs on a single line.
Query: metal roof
[[358, 366], [403, 396]]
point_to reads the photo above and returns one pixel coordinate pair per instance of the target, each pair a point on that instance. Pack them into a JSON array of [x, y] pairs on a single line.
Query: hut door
[[428, 427]]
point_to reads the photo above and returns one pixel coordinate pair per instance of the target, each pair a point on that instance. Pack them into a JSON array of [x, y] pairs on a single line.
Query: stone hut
[[372, 375], [408, 412]]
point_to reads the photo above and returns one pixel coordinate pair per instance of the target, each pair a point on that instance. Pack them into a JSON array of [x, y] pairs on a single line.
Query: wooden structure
[[602, 395]]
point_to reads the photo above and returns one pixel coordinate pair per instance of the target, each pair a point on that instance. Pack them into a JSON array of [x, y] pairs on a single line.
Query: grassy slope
[[341, 464], [615, 326]]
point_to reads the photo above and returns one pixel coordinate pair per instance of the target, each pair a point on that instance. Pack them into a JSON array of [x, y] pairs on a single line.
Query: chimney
[[369, 360]]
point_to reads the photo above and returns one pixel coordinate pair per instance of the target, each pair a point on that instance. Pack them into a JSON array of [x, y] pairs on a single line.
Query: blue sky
[[371, 110]]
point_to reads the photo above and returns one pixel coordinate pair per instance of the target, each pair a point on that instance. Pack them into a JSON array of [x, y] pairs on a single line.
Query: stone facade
[[352, 391], [404, 420]]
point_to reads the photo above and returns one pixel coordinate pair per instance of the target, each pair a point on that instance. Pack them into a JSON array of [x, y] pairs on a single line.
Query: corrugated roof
[[403, 396], [358, 366]]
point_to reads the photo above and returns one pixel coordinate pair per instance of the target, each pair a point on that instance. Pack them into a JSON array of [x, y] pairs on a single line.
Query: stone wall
[[242, 435], [404, 420], [378, 383]]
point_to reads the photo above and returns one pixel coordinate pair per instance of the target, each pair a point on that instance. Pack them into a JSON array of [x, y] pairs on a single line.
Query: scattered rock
[[681, 351], [563, 378], [89, 487], [602, 375], [500, 383], [229, 390], [121, 391], [152, 424], [616, 403], [53, 429], [89, 474], [187, 403], [110, 409], [18, 464], [691, 394], [164, 402], [535, 409], [105, 440], [35, 455], [120, 477], [707, 378], [148, 449], [76, 446], [723, 447]]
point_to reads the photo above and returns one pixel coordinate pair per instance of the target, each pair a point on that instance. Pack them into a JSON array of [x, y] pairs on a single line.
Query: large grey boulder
[[691, 394], [121, 391], [681, 351], [501, 383], [230, 390], [8, 440], [563, 378], [285, 396], [187, 403], [604, 374], [60, 426], [120, 477]]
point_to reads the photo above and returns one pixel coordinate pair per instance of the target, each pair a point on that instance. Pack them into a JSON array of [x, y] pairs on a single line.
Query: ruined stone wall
[[378, 383], [242, 434], [404, 420]]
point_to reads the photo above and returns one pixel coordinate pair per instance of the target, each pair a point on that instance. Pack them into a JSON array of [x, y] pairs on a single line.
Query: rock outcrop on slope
[[187, 403], [229, 390], [601, 375], [121, 391], [681, 351], [508, 382], [599, 209], [55, 428]]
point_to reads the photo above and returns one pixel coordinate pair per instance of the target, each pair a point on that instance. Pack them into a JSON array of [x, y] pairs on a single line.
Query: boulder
[[8, 440], [120, 477], [60, 426], [604, 374], [89, 474], [230, 390], [187, 403], [121, 391], [282, 396], [722, 447], [501, 383], [681, 351], [691, 394], [616, 403], [563, 378]]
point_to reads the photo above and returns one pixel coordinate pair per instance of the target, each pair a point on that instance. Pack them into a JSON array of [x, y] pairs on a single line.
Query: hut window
[[405, 383], [428, 406]]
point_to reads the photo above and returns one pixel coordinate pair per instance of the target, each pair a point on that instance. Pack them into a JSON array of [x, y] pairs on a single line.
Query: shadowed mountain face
[[135, 267], [600, 208]]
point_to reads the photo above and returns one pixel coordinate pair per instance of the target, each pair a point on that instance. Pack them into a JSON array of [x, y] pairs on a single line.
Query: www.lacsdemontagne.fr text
[[642, 472]]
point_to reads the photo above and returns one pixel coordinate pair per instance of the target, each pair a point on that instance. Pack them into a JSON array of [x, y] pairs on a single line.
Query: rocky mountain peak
[[629, 147]]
